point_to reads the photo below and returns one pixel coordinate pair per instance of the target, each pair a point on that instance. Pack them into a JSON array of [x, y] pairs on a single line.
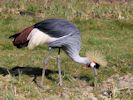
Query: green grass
[[101, 29]]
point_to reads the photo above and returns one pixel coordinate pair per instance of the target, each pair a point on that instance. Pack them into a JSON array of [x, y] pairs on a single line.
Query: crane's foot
[[38, 84], [60, 84]]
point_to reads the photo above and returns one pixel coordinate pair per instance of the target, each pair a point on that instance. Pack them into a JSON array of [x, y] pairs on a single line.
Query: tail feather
[[13, 36], [20, 38]]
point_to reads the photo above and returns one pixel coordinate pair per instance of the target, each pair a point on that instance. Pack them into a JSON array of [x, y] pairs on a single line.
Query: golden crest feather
[[95, 56]]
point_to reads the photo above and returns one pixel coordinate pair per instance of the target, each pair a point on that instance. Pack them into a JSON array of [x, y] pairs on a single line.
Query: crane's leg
[[46, 60], [59, 68]]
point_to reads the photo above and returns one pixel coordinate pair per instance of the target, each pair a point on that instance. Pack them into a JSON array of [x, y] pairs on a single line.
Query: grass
[[104, 27]]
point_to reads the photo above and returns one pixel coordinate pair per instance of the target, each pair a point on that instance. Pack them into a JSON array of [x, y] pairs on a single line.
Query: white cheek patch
[[37, 37], [92, 64]]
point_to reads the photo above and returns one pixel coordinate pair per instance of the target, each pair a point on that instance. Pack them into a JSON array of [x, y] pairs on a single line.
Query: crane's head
[[96, 59], [93, 65], [20, 39]]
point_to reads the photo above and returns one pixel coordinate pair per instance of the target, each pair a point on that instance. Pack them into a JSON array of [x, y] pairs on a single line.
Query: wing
[[56, 27]]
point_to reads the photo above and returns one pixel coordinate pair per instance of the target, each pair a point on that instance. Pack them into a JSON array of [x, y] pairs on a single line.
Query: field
[[106, 27]]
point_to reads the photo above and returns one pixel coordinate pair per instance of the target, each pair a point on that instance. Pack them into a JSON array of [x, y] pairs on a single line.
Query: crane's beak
[[94, 71], [94, 67]]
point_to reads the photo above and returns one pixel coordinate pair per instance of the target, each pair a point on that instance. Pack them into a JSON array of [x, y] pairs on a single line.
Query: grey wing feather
[[56, 27]]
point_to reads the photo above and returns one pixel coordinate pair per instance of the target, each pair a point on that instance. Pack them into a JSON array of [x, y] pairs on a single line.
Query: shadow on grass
[[30, 71], [35, 72], [84, 78]]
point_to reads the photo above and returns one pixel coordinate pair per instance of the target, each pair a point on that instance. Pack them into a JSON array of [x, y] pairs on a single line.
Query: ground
[[106, 27]]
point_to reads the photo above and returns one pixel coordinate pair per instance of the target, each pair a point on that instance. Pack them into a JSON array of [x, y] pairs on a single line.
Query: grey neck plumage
[[71, 45]]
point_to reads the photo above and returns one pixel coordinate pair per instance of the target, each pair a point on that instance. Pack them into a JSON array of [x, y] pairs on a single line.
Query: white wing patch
[[37, 37]]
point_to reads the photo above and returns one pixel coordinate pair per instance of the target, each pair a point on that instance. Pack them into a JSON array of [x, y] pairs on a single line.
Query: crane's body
[[57, 33]]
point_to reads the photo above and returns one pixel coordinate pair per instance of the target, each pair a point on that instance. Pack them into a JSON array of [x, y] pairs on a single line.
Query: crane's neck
[[81, 60], [73, 52]]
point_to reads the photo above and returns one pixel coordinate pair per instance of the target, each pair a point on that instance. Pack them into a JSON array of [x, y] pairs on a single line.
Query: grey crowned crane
[[57, 33]]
